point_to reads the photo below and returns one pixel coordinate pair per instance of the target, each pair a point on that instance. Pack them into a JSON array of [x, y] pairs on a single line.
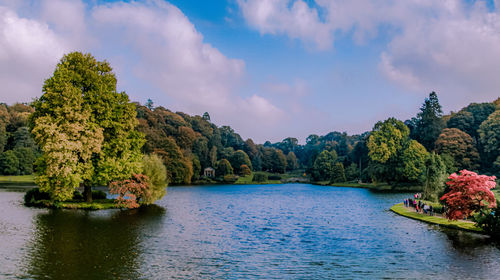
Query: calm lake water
[[292, 231]]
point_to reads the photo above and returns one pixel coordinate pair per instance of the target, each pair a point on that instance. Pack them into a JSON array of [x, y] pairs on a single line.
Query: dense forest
[[395, 152]]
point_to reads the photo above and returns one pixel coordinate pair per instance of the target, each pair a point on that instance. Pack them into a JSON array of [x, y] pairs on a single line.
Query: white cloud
[[153, 43], [173, 56], [449, 46], [29, 50], [296, 20]]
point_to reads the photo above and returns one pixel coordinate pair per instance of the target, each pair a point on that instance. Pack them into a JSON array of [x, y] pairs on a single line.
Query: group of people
[[420, 207]]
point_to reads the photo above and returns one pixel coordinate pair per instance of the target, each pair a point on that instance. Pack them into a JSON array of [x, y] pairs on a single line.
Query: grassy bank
[[283, 178], [400, 209], [371, 186], [16, 180], [99, 204]]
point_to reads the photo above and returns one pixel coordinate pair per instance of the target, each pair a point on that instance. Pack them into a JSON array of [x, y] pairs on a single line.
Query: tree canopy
[[85, 128]]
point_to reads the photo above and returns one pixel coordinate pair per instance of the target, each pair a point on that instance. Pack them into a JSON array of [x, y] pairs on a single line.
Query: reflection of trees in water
[[91, 245], [466, 242]]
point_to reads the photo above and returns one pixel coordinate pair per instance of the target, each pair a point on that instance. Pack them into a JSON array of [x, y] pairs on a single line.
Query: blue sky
[[268, 68]]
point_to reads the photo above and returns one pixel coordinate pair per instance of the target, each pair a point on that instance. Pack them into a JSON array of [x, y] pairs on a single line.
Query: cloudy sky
[[268, 68]]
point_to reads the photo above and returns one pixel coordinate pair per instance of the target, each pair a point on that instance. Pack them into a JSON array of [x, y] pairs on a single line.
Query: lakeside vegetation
[[400, 209], [82, 133]]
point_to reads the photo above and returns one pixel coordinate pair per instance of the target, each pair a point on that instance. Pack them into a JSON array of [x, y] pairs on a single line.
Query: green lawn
[[97, 204], [410, 213], [23, 179]]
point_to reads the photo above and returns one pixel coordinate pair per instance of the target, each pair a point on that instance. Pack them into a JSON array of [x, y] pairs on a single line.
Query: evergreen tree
[[429, 122]]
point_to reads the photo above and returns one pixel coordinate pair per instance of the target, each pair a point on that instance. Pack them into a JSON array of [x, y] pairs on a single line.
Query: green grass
[[400, 209], [23, 179], [98, 204]]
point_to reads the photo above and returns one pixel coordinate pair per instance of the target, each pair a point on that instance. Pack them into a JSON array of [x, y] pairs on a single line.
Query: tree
[[338, 175], [411, 161], [179, 168], [155, 171], [9, 164], [185, 137], [85, 128], [206, 116], [150, 104], [435, 176], [469, 193], [458, 145], [22, 138], [239, 158], [3, 136], [291, 161], [463, 120], [489, 137], [386, 139], [224, 168], [130, 191], [278, 161], [324, 165], [480, 112], [352, 172], [26, 158], [429, 122], [245, 170]]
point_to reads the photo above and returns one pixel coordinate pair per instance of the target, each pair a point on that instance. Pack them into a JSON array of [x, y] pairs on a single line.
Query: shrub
[[34, 195], [245, 170], [153, 168], [490, 223], [259, 177], [130, 191], [274, 177]]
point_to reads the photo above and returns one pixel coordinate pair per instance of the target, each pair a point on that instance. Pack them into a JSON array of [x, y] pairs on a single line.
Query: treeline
[[190, 144], [394, 152], [17, 148]]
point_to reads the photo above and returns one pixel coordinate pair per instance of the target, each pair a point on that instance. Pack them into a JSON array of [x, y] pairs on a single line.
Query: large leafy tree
[[460, 146], [469, 193], [429, 122], [463, 120], [435, 176], [324, 165], [85, 128], [394, 156], [238, 159], [411, 165], [156, 173], [489, 136], [386, 139], [480, 112]]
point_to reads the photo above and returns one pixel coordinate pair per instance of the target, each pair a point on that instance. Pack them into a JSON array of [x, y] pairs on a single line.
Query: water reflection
[[91, 245]]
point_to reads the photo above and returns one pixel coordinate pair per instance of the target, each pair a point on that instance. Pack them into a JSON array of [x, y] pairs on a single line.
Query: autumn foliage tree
[[131, 191], [469, 193]]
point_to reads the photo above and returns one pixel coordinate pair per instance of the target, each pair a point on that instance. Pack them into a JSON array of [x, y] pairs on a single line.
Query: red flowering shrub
[[130, 191], [469, 192]]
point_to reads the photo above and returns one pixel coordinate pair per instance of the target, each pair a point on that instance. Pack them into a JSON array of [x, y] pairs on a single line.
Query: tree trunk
[[87, 192]]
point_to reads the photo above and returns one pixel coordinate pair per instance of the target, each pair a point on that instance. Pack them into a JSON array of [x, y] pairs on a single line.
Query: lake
[[295, 231]]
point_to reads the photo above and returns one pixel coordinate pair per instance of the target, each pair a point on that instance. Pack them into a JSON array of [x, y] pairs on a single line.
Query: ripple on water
[[239, 232]]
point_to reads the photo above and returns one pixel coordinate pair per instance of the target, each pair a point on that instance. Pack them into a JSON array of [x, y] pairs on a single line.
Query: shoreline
[[401, 210]]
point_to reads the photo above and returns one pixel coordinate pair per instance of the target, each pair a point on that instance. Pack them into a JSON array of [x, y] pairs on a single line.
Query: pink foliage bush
[[130, 191], [469, 192]]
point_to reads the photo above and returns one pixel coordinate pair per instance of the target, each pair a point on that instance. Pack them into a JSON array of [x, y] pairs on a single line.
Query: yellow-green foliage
[[413, 161], [386, 139], [152, 166]]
